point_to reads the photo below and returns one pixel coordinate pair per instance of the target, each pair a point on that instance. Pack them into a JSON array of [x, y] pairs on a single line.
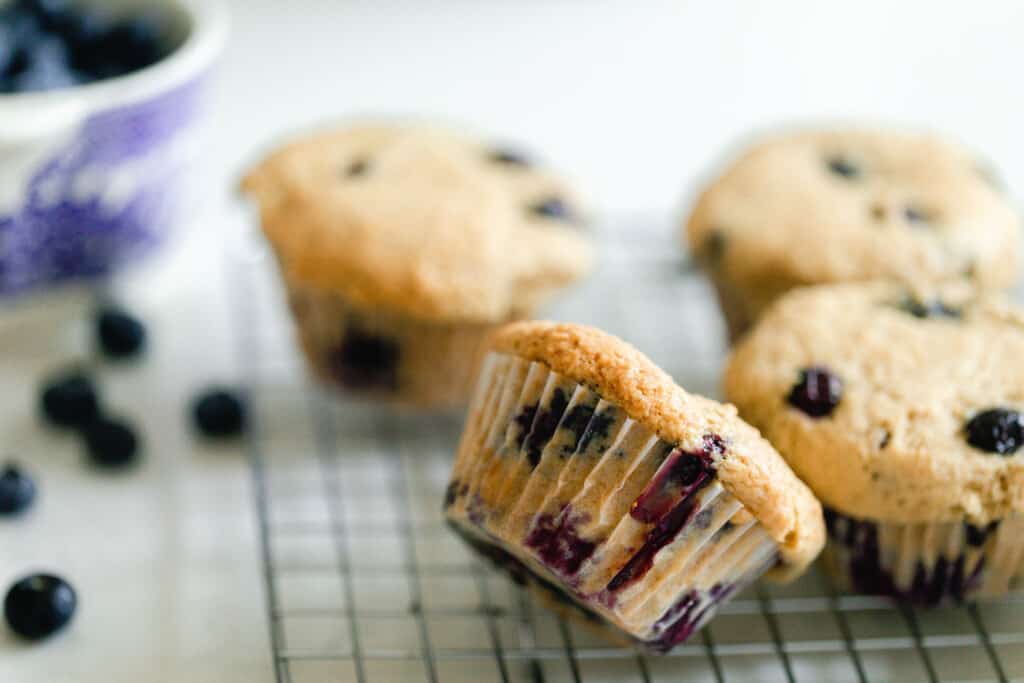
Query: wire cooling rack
[[364, 582]]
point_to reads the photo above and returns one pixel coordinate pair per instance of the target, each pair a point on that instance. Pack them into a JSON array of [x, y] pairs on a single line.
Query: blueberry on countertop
[[110, 443], [17, 490], [70, 400], [120, 335], [996, 430], [219, 413], [39, 605]]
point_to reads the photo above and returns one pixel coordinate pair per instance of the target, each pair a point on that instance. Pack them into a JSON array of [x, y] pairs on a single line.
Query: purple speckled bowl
[[95, 176]]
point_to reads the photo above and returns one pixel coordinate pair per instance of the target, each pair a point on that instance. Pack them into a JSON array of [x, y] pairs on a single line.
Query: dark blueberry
[[687, 470], [577, 418], [49, 13], [83, 30], [524, 421], [17, 490], [39, 605], [70, 400], [110, 443], [8, 47], [843, 167], [45, 67], [554, 208], [977, 536], [451, 492], [509, 157], [219, 413], [915, 215], [932, 309], [357, 168], [135, 43], [597, 430], [544, 426], [817, 392], [366, 361], [22, 26], [119, 334], [713, 445], [997, 430]]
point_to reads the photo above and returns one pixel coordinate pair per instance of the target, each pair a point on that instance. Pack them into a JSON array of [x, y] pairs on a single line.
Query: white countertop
[[632, 98]]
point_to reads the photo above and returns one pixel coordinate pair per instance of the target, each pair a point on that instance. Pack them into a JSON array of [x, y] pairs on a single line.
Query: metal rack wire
[[364, 583]]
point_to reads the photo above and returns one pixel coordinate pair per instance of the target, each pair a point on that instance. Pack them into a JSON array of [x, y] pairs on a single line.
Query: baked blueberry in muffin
[[918, 457], [588, 473], [842, 205], [402, 247]]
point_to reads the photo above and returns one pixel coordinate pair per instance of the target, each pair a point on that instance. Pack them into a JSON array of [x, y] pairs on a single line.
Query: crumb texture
[[913, 371]]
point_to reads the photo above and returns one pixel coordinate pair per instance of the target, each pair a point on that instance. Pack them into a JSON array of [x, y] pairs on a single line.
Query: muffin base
[[736, 312], [925, 564], [385, 355], [571, 496]]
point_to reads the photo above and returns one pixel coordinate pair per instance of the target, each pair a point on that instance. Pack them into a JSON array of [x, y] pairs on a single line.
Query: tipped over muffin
[[586, 472], [402, 247]]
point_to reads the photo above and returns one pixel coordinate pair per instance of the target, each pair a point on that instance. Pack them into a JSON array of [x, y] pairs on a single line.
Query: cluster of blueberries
[[38, 605], [49, 44]]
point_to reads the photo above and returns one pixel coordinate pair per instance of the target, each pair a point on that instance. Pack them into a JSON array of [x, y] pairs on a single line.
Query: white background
[[634, 99]]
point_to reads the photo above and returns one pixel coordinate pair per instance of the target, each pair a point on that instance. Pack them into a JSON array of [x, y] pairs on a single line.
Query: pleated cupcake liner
[[386, 355], [569, 492], [926, 564]]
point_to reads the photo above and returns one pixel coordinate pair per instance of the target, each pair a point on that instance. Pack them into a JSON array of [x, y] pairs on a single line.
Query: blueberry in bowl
[[98, 100], [50, 44]]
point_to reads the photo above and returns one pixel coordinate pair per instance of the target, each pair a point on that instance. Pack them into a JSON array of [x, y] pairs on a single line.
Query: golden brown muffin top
[[420, 221]]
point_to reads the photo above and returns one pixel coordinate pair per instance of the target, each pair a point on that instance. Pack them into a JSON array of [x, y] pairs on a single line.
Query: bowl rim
[[207, 34]]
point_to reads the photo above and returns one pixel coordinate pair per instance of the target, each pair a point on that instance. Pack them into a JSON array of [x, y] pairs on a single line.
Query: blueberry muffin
[[833, 206], [902, 411], [588, 474], [402, 247]]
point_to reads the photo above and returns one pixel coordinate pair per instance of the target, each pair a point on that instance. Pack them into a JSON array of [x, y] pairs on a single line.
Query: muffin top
[[892, 405], [747, 466], [817, 207], [420, 221]]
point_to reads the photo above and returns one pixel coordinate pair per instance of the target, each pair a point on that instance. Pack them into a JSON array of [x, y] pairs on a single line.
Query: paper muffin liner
[[386, 355], [573, 497], [926, 564]]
